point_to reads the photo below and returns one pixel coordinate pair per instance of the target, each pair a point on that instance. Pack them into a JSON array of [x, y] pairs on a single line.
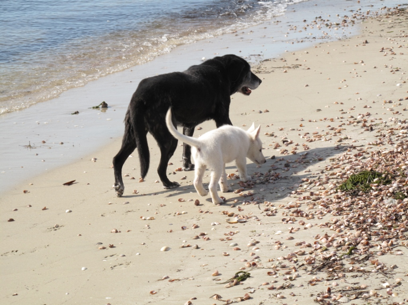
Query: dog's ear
[[255, 133], [252, 128]]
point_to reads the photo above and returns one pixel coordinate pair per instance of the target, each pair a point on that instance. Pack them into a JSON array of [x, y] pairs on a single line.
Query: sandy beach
[[326, 112]]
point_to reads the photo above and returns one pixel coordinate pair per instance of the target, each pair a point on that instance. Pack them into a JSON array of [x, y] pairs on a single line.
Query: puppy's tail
[[179, 136], [140, 131]]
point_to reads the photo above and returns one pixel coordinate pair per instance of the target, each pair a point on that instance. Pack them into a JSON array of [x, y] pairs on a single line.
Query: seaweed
[[363, 180]]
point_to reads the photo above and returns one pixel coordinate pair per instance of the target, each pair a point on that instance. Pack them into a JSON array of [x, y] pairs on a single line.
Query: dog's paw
[[188, 167], [203, 193], [171, 185], [227, 190], [119, 190], [218, 201]]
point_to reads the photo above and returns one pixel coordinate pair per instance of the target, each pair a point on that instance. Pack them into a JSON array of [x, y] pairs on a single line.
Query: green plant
[[363, 180]]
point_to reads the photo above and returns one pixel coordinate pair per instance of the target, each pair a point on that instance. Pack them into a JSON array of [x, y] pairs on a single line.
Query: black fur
[[200, 93]]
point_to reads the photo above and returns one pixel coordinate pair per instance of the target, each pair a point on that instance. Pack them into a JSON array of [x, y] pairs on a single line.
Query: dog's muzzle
[[246, 90]]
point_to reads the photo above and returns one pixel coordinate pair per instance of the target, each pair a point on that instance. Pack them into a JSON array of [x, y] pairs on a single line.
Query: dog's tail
[[179, 136], [136, 116]]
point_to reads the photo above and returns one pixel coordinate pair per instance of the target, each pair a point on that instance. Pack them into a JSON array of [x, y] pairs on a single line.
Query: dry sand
[[80, 244]]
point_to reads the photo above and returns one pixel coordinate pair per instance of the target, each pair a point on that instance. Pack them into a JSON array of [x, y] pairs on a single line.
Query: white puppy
[[216, 148]]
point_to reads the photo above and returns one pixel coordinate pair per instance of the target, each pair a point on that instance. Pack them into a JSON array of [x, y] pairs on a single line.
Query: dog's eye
[[260, 150]]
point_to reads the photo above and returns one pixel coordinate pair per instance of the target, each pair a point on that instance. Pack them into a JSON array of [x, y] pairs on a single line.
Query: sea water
[[48, 47]]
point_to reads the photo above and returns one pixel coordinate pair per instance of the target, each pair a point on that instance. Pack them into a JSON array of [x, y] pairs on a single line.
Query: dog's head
[[249, 82], [255, 149], [239, 74]]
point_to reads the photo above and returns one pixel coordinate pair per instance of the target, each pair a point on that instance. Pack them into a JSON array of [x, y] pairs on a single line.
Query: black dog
[[200, 93]]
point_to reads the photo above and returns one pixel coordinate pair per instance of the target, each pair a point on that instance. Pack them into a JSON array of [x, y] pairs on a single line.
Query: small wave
[[42, 76]]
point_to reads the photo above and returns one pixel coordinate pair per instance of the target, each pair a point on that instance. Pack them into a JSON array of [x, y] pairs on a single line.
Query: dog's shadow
[[287, 181]]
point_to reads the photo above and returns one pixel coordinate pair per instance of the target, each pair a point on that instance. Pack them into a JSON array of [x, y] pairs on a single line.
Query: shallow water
[[48, 47]]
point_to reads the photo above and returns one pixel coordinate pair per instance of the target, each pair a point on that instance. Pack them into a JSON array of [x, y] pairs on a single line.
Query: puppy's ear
[[252, 128], [255, 133]]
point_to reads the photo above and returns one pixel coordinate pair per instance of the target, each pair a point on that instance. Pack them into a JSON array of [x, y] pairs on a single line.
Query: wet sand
[[326, 112]]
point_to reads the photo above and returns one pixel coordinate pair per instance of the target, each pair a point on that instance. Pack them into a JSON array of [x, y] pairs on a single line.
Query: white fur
[[216, 148]]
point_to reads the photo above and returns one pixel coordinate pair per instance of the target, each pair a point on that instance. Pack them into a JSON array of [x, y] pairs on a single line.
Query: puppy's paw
[[227, 190], [203, 193], [246, 178], [219, 200]]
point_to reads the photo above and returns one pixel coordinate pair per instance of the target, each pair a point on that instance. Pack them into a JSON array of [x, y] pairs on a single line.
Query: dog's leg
[[224, 120], [187, 165], [198, 180], [167, 144], [215, 177], [241, 165], [223, 181], [128, 146]]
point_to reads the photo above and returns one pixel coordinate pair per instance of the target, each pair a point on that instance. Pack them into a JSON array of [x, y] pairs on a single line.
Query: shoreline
[[46, 136], [320, 111]]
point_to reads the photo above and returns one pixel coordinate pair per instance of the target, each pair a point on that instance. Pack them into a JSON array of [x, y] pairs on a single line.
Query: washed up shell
[[343, 300], [147, 218], [235, 220], [69, 182], [165, 248], [215, 273]]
